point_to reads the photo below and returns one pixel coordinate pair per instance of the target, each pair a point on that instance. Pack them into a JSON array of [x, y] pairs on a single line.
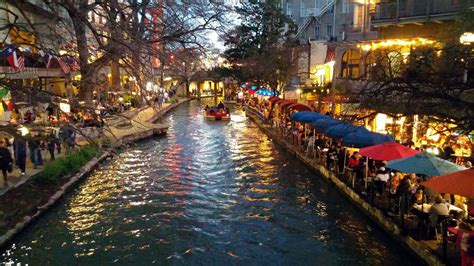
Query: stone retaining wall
[[416, 247]]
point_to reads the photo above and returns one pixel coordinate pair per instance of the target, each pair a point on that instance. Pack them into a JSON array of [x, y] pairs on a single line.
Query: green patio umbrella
[[424, 164]]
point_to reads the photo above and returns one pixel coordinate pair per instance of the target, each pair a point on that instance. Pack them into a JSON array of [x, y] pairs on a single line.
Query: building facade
[[342, 38]]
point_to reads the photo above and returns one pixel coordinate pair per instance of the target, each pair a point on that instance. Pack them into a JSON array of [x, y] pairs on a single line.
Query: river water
[[209, 193]]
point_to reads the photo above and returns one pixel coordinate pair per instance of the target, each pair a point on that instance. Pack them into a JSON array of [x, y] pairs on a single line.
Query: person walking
[[5, 161], [9, 145], [20, 154], [50, 145], [35, 152]]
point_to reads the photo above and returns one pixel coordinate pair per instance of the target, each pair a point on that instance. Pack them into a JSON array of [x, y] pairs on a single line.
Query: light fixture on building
[[467, 38], [23, 130]]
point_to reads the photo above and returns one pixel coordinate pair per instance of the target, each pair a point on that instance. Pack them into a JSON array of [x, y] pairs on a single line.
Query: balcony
[[415, 11]]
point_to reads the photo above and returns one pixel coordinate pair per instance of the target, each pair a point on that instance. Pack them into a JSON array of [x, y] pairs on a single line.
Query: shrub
[[174, 100], [61, 167]]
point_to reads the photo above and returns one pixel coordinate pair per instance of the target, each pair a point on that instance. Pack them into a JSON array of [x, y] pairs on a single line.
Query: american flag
[[64, 67], [21, 63]]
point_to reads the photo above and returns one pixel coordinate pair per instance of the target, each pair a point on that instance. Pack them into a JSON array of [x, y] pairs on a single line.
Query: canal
[[213, 193]]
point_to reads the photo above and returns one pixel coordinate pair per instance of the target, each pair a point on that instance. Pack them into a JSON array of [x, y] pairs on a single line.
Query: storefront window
[[350, 64]]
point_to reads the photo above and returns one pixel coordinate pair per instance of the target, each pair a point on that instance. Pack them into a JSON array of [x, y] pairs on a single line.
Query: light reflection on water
[[208, 193]]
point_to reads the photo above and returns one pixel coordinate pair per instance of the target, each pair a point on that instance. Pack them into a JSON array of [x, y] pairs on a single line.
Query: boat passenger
[[221, 105], [207, 108]]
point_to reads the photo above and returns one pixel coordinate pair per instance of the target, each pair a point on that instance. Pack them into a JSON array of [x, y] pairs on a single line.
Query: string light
[[396, 42]]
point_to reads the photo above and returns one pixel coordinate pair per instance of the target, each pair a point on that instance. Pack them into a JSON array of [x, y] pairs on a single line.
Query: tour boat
[[216, 116]]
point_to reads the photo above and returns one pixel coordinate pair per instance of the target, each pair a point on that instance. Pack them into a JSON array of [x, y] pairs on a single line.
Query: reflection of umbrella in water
[[458, 183], [424, 164]]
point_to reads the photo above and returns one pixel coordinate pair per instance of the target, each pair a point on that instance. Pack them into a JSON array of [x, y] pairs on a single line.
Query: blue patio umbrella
[[306, 116], [424, 164], [325, 122], [362, 138], [342, 129]]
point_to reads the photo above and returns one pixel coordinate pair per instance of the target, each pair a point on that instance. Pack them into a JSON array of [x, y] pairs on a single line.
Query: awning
[[306, 116], [343, 129], [273, 99], [362, 138], [285, 104], [330, 54], [279, 101], [300, 107], [324, 123]]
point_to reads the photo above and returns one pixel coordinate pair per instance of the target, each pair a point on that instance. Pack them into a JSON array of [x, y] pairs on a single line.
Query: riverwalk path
[[119, 129]]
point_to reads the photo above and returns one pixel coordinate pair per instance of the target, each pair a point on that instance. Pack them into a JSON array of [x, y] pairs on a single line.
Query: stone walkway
[[128, 124]]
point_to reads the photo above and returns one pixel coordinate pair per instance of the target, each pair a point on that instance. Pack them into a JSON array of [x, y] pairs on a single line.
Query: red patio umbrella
[[273, 99], [458, 183], [388, 151], [300, 107], [279, 101], [285, 104]]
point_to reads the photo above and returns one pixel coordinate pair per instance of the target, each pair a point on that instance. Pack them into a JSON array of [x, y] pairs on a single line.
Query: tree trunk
[[86, 86], [186, 82]]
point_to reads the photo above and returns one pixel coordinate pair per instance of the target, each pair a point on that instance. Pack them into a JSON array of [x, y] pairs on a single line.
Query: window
[[350, 64], [345, 6], [329, 30], [358, 16], [289, 9], [317, 32], [370, 65]]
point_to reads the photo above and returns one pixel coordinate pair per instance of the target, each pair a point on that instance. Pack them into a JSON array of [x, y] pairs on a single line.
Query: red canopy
[[458, 183], [273, 99], [285, 104], [388, 151], [300, 107], [279, 101]]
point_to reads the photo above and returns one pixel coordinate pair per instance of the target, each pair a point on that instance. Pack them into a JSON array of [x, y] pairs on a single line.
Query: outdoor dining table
[[426, 208]]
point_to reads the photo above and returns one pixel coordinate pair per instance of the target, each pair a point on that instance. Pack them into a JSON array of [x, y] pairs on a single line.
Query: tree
[[128, 32], [260, 48], [435, 80]]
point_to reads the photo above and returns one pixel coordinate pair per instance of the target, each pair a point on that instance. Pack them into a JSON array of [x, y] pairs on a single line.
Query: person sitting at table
[[419, 197], [354, 160], [437, 212], [356, 164], [381, 180]]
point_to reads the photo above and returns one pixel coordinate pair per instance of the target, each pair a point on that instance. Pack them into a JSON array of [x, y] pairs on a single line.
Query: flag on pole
[[47, 58], [73, 63], [14, 60], [64, 67]]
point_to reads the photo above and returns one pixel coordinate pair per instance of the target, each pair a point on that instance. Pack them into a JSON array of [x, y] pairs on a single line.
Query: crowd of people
[[399, 195], [14, 154], [218, 109]]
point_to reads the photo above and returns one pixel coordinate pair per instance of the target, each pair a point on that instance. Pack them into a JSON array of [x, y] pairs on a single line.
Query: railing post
[[428, 7]]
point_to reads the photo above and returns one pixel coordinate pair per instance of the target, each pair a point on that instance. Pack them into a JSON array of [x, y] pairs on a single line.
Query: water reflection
[[208, 193]]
